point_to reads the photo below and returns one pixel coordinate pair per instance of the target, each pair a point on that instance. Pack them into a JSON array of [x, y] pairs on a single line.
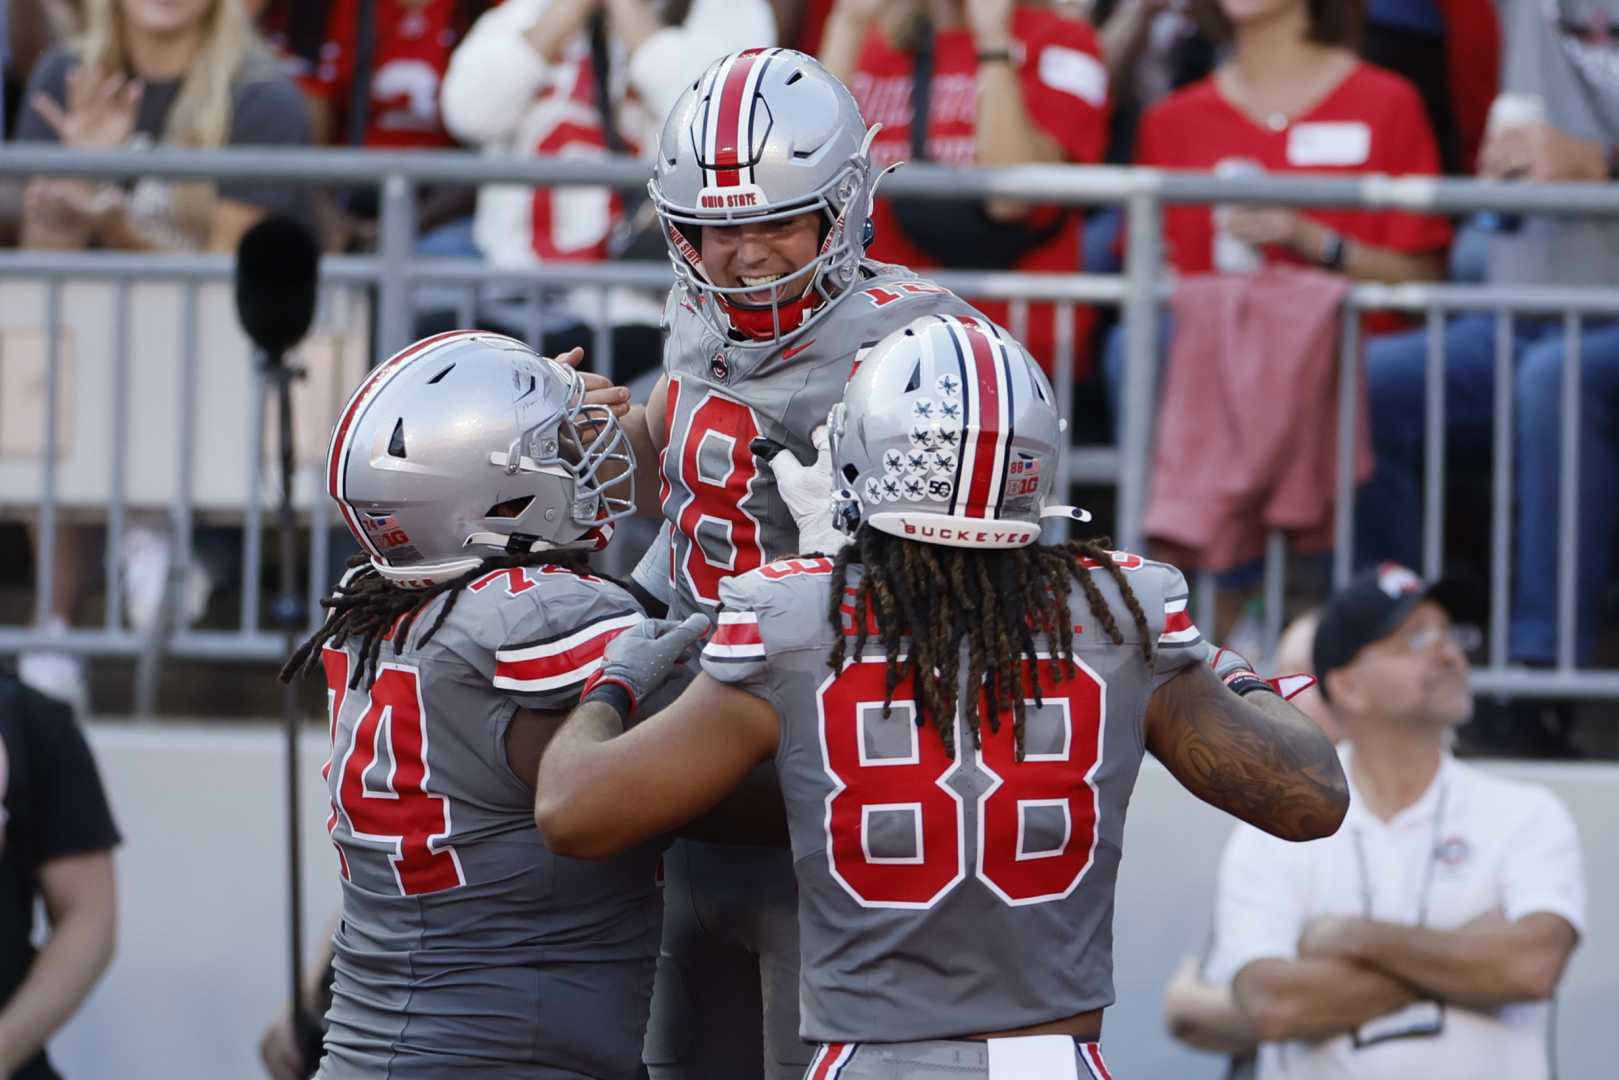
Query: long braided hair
[[934, 597], [370, 606]]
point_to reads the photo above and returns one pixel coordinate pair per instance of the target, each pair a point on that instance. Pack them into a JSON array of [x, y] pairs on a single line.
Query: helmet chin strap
[[1058, 510], [586, 542]]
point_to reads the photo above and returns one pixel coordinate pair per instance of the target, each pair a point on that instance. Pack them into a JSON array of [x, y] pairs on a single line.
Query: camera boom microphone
[[277, 268]]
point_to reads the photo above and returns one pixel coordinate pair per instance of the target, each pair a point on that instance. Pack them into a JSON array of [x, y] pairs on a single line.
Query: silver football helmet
[[467, 445], [765, 134], [948, 434]]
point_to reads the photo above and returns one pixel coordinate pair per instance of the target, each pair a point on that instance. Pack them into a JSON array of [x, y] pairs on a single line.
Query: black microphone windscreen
[[277, 268]]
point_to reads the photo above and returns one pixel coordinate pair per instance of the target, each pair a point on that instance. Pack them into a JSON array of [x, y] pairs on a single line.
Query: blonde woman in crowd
[[177, 72], [186, 73]]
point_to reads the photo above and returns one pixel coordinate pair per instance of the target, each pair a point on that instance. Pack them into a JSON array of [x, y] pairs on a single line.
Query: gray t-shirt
[[1555, 51], [267, 109]]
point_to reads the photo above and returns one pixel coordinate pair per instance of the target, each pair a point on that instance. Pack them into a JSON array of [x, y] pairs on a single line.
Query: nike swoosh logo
[[788, 354]]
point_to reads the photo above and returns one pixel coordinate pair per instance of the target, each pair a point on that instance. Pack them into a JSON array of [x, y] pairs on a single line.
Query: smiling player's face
[[759, 253]]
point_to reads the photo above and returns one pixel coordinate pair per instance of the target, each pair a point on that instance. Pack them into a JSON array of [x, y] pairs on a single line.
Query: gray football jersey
[[465, 946], [946, 896], [725, 514]]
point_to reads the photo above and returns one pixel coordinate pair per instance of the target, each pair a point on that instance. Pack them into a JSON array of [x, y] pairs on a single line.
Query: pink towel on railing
[[1247, 433]]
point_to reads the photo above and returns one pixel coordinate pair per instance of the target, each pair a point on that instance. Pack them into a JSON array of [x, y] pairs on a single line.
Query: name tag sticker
[[1074, 72], [1033, 1057], [1339, 143], [1419, 1020]]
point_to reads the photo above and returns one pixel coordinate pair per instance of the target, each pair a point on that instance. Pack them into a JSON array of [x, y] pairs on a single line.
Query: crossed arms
[[1351, 970]]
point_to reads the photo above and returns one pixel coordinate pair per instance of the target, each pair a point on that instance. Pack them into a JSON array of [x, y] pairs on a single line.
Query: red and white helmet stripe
[[987, 411], [728, 125]]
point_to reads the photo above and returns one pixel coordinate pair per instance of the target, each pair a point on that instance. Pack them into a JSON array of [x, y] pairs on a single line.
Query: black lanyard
[[1364, 877]]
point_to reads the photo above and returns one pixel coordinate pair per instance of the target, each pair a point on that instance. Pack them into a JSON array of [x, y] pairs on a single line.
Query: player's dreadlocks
[[998, 601], [375, 608]]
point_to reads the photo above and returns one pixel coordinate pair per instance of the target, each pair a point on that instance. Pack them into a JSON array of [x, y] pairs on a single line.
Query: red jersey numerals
[[883, 295], [391, 810], [335, 662], [911, 791], [1054, 782], [1124, 560], [899, 788], [717, 467], [793, 567]]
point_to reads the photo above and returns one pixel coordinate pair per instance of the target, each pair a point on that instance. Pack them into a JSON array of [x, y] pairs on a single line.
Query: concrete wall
[[201, 966]]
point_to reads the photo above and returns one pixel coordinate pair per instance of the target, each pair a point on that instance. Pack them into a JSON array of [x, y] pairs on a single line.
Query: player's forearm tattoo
[[1257, 758]]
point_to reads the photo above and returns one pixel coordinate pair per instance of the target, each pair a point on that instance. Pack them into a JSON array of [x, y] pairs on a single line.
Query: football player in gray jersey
[[957, 714], [471, 471], [763, 187]]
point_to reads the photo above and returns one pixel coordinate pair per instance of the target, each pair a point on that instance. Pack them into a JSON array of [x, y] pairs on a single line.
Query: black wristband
[[994, 56], [1244, 683], [614, 695], [1336, 252]]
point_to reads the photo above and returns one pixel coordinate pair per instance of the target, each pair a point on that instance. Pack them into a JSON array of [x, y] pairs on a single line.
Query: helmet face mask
[[470, 445], [764, 134], [948, 434]]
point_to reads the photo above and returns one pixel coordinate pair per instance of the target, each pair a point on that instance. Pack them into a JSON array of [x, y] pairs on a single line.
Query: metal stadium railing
[[394, 274]]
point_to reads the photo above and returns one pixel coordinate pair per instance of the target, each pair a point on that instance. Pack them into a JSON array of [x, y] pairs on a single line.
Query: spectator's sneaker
[[56, 673], [145, 555]]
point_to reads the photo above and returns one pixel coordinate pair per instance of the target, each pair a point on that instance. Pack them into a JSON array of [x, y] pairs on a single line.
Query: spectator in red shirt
[[376, 84], [1005, 84], [410, 51], [1292, 96]]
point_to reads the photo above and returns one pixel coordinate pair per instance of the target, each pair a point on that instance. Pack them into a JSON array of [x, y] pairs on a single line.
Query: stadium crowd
[[1244, 428]]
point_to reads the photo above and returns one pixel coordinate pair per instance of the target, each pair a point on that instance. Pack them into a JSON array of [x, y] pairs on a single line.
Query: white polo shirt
[[1495, 844]]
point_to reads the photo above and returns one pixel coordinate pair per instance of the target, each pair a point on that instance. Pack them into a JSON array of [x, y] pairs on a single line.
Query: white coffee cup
[[1231, 254]]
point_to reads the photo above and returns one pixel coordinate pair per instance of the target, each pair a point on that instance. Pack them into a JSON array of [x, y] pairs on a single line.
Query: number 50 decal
[[394, 813], [913, 788]]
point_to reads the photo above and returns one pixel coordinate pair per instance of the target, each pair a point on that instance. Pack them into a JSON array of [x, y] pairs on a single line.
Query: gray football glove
[[641, 659]]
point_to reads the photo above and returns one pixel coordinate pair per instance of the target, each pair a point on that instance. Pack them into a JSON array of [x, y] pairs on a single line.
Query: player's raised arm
[[1241, 747], [602, 789]]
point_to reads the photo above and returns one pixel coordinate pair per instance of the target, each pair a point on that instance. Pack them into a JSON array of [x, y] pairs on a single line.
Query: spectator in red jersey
[[571, 78], [1003, 83], [403, 66], [375, 83], [1292, 96]]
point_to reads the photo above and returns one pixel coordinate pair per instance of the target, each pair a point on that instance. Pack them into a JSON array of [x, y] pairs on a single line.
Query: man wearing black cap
[[1390, 949]]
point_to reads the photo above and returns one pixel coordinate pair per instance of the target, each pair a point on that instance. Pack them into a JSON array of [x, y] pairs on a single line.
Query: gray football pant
[[944, 1059], [726, 996]]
